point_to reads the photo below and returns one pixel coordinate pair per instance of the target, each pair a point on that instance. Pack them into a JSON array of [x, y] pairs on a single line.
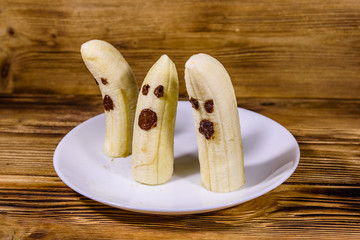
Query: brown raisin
[[159, 91], [108, 103], [209, 106], [194, 103], [206, 128], [104, 81], [145, 89], [147, 119]]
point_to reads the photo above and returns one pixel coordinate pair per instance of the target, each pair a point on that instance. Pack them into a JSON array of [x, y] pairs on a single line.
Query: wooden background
[[297, 62]]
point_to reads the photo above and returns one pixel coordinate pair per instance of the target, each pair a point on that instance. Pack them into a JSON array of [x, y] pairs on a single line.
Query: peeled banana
[[153, 142], [119, 92], [217, 123]]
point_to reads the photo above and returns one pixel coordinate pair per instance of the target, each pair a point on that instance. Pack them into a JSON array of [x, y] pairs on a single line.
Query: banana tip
[[164, 57], [196, 58]]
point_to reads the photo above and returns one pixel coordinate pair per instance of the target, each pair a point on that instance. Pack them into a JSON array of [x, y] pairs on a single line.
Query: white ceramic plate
[[271, 155]]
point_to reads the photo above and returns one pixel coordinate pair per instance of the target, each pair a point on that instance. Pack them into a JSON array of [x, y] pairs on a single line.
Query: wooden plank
[[283, 49], [288, 212]]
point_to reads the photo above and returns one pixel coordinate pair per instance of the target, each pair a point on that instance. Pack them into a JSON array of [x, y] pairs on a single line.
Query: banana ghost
[[153, 142], [217, 123]]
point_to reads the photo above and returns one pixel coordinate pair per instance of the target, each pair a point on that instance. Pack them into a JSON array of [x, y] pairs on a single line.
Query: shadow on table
[[196, 222], [186, 165]]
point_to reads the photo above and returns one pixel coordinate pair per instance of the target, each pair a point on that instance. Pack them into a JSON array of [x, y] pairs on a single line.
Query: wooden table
[[296, 62]]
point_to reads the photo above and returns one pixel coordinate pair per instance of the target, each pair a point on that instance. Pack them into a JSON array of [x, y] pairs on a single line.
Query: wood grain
[[290, 49], [296, 62], [286, 212]]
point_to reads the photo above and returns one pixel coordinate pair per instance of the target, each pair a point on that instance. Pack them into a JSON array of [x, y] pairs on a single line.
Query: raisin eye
[[104, 81], [209, 106], [145, 89], [159, 91], [194, 103]]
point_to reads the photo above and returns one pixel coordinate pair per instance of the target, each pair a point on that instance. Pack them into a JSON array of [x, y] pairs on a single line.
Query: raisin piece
[[96, 81], [159, 91], [206, 128], [209, 106], [104, 81], [145, 89], [147, 119], [108, 103], [194, 103]]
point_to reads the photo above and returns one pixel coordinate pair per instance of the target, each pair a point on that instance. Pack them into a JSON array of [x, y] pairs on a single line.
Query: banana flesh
[[153, 142], [217, 123], [119, 92]]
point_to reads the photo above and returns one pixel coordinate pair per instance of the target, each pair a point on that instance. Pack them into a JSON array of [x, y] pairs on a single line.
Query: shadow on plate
[[250, 141], [186, 165]]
